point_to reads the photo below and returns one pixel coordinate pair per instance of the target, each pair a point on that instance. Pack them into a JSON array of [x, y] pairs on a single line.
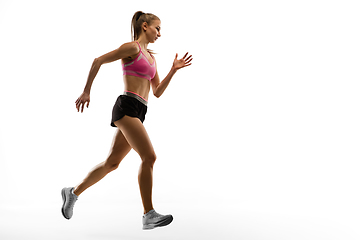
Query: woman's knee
[[149, 158], [111, 166], [112, 163]]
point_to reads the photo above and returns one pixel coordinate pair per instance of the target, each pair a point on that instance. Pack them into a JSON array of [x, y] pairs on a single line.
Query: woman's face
[[153, 31]]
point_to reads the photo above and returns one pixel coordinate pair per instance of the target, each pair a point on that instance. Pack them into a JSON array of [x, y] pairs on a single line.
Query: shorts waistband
[[136, 96]]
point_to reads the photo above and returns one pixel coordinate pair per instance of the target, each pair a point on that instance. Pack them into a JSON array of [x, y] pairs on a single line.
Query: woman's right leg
[[136, 135], [119, 149]]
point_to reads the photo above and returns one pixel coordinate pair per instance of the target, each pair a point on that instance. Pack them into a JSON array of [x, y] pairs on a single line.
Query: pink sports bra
[[140, 67]]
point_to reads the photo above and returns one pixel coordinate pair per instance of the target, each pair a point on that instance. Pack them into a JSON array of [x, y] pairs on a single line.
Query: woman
[[139, 70]]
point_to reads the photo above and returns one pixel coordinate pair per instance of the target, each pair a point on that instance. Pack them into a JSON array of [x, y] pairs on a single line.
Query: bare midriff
[[140, 86]]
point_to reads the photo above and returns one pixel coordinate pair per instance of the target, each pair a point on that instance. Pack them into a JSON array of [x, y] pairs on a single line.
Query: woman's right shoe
[[152, 220], [69, 199]]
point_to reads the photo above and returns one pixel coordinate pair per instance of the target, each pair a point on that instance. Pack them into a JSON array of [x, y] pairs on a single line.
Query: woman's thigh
[[136, 135]]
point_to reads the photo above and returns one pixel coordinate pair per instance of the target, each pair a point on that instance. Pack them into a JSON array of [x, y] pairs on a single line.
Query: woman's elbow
[[97, 61], [155, 89], [156, 93]]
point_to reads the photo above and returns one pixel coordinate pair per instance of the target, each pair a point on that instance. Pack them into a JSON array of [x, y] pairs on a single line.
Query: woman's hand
[[183, 62], [80, 102]]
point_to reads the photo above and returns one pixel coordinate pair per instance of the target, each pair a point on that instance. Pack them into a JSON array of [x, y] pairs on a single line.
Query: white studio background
[[258, 139]]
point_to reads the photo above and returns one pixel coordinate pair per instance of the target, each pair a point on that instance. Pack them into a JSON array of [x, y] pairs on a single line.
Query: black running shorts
[[129, 106]]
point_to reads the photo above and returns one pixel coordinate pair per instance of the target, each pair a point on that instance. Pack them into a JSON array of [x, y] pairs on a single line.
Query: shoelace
[[155, 215], [72, 199]]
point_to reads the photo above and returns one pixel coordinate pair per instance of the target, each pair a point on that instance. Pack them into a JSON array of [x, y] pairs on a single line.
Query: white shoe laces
[[155, 215]]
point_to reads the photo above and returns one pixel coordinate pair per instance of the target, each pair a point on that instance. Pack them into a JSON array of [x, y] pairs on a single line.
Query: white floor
[[98, 220]]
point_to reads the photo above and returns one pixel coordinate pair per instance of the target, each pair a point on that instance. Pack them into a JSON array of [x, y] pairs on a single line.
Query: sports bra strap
[[147, 51], [139, 46]]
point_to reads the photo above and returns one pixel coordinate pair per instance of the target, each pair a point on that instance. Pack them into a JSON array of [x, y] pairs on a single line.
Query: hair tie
[[140, 15]]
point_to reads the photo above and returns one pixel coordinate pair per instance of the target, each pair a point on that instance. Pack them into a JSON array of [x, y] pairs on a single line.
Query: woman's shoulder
[[132, 49], [131, 46]]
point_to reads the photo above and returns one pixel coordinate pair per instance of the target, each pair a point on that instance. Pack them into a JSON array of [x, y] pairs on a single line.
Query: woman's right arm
[[126, 50]]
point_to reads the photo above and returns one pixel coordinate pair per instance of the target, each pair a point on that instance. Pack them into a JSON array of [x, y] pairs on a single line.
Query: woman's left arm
[[159, 87]]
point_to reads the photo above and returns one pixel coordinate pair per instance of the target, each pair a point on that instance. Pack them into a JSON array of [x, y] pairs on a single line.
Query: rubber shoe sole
[[161, 223], [63, 206]]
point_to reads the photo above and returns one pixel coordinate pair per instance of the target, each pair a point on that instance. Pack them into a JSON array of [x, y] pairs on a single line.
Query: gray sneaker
[[69, 199], [152, 220]]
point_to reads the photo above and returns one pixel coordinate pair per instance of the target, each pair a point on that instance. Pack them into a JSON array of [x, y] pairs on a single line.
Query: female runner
[[139, 70]]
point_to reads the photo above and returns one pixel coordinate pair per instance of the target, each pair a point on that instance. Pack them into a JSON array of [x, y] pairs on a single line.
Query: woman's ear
[[144, 26]]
